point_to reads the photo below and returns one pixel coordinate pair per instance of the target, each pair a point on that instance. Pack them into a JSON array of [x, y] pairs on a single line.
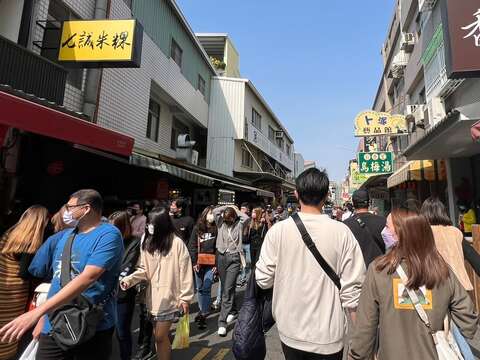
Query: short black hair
[[312, 186], [139, 203], [435, 212], [181, 203], [90, 197], [245, 204]]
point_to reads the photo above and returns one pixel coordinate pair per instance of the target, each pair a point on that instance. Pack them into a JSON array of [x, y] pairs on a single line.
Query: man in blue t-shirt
[[96, 257]]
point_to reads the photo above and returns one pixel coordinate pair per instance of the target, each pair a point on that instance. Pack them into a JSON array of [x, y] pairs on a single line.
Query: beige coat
[[169, 278], [448, 240]]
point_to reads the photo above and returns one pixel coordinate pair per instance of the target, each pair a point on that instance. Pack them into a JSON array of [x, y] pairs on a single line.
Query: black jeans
[[125, 311], [97, 348], [294, 354]]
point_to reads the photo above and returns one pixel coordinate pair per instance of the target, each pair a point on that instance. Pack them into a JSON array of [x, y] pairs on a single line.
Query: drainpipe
[[92, 81]]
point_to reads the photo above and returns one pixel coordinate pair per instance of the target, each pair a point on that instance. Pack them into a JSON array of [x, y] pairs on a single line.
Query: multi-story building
[[308, 164], [299, 164], [130, 132], [222, 52], [246, 139]]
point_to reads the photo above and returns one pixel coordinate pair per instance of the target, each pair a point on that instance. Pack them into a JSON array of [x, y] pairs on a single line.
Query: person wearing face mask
[[138, 220], [96, 256], [230, 224], [202, 251], [183, 223]]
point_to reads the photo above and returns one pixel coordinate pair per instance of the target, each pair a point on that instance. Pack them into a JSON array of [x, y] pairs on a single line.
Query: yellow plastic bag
[[182, 334]]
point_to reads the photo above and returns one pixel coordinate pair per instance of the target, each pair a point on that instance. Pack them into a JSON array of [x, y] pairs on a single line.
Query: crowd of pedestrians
[[400, 280]]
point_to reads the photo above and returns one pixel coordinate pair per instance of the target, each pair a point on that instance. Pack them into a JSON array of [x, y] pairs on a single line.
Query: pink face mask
[[388, 238]]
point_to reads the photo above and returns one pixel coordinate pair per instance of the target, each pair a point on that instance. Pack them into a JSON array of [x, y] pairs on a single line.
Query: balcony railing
[[31, 73]]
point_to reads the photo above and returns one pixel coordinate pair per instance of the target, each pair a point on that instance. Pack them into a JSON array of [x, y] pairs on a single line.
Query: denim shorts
[[170, 316]]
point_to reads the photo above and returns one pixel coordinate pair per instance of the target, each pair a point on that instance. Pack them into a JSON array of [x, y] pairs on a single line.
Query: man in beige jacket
[[309, 309]]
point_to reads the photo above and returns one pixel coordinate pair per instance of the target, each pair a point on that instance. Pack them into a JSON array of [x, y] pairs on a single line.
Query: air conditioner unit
[[436, 110], [184, 150], [279, 134], [426, 5], [407, 42], [419, 115], [411, 109]]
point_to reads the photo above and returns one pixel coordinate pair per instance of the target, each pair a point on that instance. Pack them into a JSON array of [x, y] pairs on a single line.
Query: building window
[[176, 53], [289, 149], [280, 143], [201, 85], [271, 133], [178, 129], [247, 160], [57, 13], [153, 123], [256, 119]]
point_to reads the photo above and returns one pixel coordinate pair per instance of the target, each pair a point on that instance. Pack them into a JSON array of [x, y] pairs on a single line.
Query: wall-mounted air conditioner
[[184, 150], [407, 42], [436, 110]]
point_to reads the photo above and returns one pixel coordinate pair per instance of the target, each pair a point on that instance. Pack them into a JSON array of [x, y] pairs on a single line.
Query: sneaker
[[222, 331], [202, 323], [231, 318]]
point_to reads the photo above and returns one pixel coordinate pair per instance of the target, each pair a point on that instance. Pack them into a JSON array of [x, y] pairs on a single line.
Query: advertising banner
[[373, 123], [375, 163]]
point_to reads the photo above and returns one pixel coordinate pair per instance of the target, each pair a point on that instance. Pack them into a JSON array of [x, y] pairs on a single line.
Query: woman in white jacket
[[166, 267]]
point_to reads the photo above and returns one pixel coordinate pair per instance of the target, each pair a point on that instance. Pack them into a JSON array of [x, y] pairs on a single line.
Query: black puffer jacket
[[254, 320], [208, 244], [129, 262]]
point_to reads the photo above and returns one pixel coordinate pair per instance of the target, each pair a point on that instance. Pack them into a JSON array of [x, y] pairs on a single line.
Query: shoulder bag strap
[[364, 226], [66, 259], [313, 249], [413, 296]]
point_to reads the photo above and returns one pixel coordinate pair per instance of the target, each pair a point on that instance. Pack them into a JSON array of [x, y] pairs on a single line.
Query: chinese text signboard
[[101, 43], [356, 178], [375, 163], [461, 30], [373, 123]]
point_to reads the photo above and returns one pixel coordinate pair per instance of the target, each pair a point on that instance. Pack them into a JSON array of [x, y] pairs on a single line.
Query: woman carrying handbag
[[387, 303], [202, 251]]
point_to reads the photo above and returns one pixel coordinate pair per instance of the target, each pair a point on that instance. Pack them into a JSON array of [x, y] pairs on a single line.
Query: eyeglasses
[[69, 207]]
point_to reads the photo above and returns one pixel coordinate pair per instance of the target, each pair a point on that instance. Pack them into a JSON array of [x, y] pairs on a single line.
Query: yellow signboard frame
[[101, 43], [374, 123]]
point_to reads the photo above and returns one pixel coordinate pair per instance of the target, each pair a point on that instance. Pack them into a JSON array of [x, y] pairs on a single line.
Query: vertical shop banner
[[461, 29], [375, 163], [101, 43], [374, 123]]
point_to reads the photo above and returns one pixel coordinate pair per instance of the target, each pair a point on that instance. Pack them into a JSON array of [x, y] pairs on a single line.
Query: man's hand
[[15, 329], [196, 268]]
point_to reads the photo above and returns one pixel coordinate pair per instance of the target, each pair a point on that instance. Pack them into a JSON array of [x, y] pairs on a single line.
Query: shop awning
[[418, 170], [191, 176], [35, 117]]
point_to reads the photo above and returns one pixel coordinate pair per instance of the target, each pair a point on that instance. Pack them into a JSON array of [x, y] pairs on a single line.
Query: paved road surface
[[206, 344]]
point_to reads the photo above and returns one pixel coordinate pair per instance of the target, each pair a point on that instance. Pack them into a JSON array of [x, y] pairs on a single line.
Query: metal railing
[[31, 73]]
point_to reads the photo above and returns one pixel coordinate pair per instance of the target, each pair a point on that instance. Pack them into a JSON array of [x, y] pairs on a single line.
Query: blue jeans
[[248, 259], [124, 335], [204, 282], [218, 300], [462, 343]]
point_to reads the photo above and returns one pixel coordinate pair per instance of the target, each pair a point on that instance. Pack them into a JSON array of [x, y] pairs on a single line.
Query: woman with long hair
[[57, 221], [202, 250], [256, 232], [17, 248], [385, 305], [166, 268], [126, 299]]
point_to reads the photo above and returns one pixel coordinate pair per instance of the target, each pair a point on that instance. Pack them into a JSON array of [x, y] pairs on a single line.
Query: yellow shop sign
[[373, 123], [101, 43]]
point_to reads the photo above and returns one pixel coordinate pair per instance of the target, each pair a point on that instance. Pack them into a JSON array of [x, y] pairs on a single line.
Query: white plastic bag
[[30, 352]]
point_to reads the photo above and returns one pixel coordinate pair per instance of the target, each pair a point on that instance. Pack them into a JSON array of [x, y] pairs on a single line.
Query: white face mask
[[210, 218], [68, 219], [150, 229]]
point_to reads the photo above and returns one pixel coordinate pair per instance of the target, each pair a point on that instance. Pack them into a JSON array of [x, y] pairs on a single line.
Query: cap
[[360, 198]]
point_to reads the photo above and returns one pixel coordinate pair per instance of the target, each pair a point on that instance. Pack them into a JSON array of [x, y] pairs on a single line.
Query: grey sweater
[[229, 238]]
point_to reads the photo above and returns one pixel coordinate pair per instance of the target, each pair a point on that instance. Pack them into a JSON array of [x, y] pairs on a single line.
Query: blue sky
[[317, 63]]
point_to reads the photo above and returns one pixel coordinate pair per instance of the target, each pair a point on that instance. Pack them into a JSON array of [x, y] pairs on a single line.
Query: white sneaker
[[231, 318], [222, 331]]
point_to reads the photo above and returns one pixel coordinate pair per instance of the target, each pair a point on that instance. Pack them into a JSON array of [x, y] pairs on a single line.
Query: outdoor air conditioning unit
[[411, 109], [426, 5], [279, 134], [184, 150], [419, 115], [436, 110], [407, 42]]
